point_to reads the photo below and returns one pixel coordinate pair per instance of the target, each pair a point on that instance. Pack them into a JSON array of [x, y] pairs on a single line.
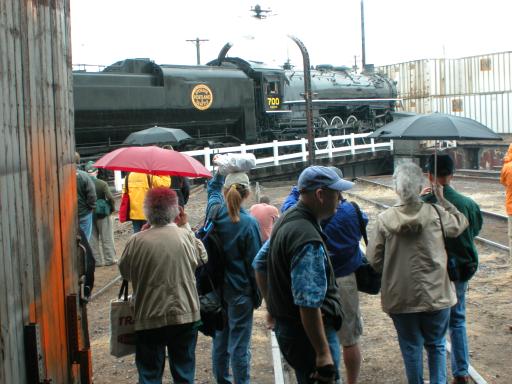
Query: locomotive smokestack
[[363, 53]]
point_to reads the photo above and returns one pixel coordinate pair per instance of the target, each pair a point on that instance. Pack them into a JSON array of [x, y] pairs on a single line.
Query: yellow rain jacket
[[506, 179], [138, 185]]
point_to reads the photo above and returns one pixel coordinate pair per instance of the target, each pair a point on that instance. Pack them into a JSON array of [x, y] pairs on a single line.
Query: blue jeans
[[137, 225], [298, 351], [460, 351], [233, 343], [85, 223], [418, 330], [180, 341]]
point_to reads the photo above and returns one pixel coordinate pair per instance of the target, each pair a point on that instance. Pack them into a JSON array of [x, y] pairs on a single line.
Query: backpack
[[214, 268], [102, 208], [86, 266], [210, 278]]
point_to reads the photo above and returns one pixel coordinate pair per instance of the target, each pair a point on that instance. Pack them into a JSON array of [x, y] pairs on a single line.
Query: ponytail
[[234, 196]]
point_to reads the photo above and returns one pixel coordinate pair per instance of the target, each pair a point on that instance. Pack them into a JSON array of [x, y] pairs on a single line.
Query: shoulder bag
[[368, 279]]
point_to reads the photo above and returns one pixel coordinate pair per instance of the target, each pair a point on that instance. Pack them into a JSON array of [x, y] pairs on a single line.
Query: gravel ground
[[489, 313]]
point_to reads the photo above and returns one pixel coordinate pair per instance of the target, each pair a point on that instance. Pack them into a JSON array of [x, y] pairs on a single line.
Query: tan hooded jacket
[[407, 246], [506, 179]]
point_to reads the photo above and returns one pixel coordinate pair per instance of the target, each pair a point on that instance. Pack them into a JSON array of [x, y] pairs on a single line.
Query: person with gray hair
[[160, 262], [407, 246]]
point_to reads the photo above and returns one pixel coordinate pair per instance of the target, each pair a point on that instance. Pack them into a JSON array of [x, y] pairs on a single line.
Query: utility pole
[[363, 53], [198, 41]]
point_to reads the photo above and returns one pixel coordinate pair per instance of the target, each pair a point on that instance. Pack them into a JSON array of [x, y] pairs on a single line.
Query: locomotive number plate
[[273, 102], [202, 97]]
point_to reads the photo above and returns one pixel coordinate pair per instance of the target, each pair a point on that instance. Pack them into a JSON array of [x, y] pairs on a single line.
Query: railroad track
[[494, 230]]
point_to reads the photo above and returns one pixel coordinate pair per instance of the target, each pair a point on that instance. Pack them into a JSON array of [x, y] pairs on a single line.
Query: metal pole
[[308, 98], [363, 54]]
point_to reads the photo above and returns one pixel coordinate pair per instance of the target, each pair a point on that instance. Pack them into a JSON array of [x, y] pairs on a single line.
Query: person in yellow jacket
[[138, 185], [506, 180]]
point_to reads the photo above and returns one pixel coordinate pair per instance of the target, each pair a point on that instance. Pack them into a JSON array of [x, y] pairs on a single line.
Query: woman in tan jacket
[[407, 246], [160, 262]]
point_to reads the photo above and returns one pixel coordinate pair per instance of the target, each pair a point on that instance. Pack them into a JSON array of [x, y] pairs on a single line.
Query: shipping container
[[494, 110], [482, 74]]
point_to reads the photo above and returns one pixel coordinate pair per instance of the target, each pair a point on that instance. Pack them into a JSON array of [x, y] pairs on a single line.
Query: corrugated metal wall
[[478, 87], [37, 189]]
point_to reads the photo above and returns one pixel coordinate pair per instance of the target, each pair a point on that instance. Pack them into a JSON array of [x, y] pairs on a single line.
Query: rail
[[290, 150]]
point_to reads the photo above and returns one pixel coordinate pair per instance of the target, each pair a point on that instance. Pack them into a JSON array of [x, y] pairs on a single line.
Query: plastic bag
[[234, 162]]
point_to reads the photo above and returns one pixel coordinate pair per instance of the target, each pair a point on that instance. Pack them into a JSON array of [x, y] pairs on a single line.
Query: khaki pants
[[510, 236], [102, 241]]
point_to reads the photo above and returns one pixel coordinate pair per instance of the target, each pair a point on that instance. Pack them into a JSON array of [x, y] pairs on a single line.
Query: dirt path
[[489, 312]]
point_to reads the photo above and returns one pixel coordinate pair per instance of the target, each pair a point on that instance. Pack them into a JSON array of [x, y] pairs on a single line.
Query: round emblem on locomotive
[[202, 97]]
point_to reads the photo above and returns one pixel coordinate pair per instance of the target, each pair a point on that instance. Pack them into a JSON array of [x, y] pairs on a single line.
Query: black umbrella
[[435, 126], [157, 135]]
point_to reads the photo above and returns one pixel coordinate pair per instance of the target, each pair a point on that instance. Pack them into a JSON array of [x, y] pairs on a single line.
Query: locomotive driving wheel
[[321, 130]]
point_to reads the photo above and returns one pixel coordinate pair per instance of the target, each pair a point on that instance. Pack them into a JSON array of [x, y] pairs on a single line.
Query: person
[[138, 185], [291, 199], [300, 291], [466, 256], [266, 215], [181, 186], [102, 239], [240, 235], [506, 180], [343, 234], [86, 192], [407, 246], [160, 263]]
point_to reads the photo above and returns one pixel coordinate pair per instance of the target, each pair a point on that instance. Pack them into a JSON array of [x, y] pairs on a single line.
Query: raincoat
[[506, 179]]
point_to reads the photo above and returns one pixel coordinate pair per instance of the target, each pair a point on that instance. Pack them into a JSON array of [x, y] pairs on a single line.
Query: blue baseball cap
[[315, 177]]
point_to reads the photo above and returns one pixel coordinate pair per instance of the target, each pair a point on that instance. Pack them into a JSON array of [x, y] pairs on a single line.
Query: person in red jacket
[[506, 180]]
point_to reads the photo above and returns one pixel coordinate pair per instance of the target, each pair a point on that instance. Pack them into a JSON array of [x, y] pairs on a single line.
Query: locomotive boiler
[[226, 102]]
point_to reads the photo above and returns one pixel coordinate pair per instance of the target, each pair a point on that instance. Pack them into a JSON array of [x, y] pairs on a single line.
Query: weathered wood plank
[[37, 183], [9, 326]]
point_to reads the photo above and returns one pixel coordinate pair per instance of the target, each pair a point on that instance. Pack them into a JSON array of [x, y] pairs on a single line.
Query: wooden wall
[[37, 187]]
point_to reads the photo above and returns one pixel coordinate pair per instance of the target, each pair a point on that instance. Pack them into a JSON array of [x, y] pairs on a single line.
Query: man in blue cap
[[302, 294]]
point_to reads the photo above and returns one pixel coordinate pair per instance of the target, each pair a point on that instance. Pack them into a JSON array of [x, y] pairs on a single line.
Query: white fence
[[291, 150], [296, 149]]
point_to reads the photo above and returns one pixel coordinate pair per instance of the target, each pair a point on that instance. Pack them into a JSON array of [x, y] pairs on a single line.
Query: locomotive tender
[[228, 101]]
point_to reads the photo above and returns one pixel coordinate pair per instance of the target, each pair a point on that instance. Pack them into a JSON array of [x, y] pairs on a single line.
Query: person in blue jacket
[[240, 234], [343, 234]]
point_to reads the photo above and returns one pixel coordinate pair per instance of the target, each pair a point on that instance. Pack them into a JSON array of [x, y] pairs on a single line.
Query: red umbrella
[[152, 160]]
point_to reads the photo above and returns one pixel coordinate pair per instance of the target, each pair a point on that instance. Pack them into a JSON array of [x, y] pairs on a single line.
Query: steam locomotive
[[223, 103]]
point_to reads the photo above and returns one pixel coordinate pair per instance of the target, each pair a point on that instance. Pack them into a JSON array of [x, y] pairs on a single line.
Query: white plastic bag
[[122, 324], [234, 162]]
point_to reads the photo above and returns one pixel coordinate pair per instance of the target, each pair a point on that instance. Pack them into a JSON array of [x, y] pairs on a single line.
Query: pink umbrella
[[152, 160]]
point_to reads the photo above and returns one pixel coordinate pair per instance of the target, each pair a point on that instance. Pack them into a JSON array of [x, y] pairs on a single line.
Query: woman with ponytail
[[240, 236]]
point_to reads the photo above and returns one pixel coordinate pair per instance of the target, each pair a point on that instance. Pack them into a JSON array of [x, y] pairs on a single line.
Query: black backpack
[[214, 269], [210, 277]]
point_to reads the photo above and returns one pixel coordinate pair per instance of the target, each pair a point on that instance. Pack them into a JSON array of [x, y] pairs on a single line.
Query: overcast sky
[[105, 31]]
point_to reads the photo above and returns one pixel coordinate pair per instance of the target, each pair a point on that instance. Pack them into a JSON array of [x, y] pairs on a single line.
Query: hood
[[405, 219], [508, 156]]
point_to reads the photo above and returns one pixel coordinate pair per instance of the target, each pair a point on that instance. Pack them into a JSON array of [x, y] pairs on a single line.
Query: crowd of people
[[302, 261]]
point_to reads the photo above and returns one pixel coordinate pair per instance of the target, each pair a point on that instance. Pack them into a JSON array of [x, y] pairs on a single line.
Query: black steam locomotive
[[226, 102]]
